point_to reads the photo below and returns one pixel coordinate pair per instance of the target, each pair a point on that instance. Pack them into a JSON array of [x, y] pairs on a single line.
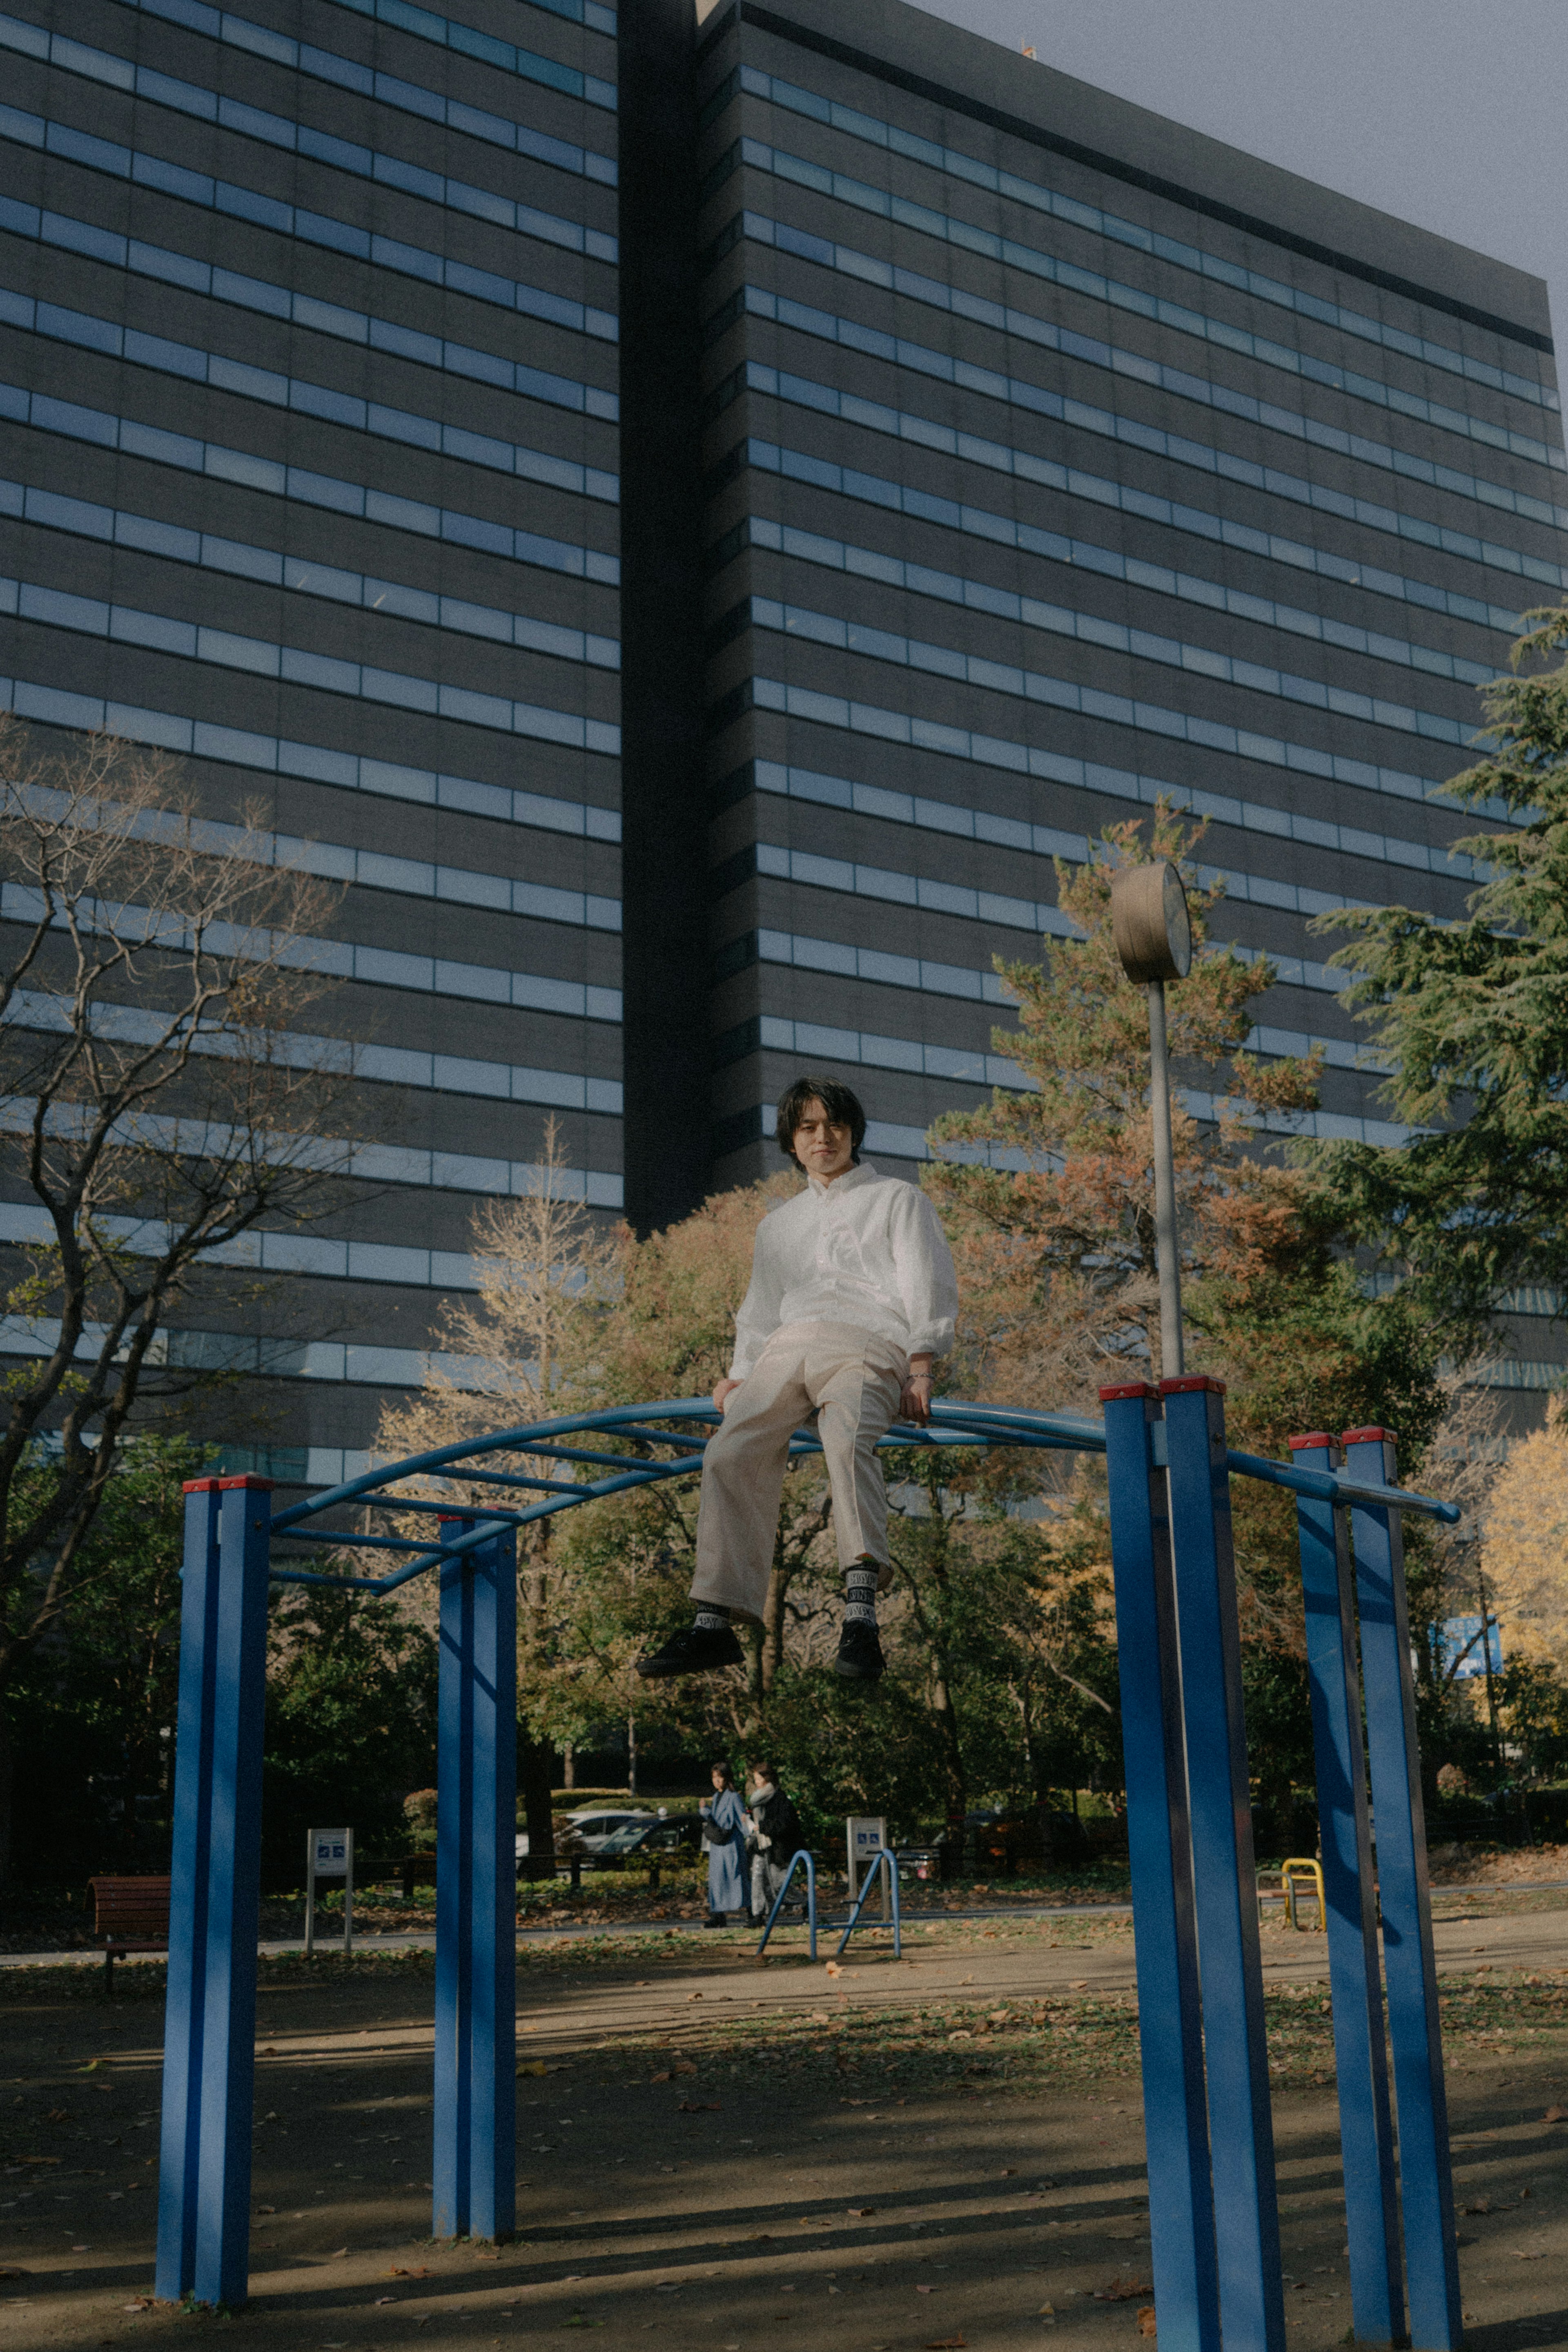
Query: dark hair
[[723, 1767], [840, 1103]]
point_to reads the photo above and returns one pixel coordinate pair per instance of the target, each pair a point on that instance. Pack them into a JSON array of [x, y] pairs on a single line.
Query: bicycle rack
[[795, 1862]]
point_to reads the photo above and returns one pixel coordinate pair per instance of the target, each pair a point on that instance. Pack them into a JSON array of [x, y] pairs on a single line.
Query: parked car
[[637, 1842], [588, 1827]]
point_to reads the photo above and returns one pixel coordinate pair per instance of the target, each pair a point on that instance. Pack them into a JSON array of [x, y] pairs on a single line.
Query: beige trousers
[[853, 1379]]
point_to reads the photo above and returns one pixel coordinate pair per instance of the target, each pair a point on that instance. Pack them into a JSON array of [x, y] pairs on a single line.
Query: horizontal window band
[[1000, 677], [1003, 530], [174, 1350], [816, 1042], [1010, 253], [373, 869], [211, 283], [889, 1141], [954, 165], [340, 155], [1017, 392], [1033, 612], [116, 527], [296, 666], [450, 32], [323, 65], [943, 96], [956, 822], [64, 144], [46, 414], [104, 430], [1017, 759], [371, 967], [925, 893], [271, 755], [1006, 319], [923, 976], [998, 457], [356, 1160], [393, 1066]]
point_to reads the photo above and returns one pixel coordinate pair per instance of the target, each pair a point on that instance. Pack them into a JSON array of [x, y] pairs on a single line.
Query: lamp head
[[1149, 921]]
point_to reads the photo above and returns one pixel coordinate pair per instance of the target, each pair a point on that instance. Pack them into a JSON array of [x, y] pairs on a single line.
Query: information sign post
[[864, 1839], [329, 1854]]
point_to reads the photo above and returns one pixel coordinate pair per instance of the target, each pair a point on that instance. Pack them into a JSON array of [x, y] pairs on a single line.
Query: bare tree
[[157, 1099], [544, 1263]]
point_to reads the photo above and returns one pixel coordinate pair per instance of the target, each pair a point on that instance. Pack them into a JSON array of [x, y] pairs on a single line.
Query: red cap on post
[[1314, 1438], [1366, 1437], [1127, 1388], [1190, 1382], [242, 1479]]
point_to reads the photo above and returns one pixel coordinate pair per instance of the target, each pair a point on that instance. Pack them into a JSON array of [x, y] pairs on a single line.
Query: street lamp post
[[1153, 933]]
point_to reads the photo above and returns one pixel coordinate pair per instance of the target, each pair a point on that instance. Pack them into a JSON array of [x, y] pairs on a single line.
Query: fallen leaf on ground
[[1555, 2115], [699, 2107], [1048, 2311], [862, 2212], [267, 2209], [924, 2290], [833, 1970], [683, 2066], [337, 2253], [143, 2302], [1122, 2290], [533, 2066], [1077, 1984], [398, 2271], [1146, 2321], [694, 1996], [660, 2078]]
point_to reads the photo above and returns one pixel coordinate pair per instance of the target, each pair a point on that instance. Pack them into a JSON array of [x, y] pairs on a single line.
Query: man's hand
[[723, 1391], [914, 1403]]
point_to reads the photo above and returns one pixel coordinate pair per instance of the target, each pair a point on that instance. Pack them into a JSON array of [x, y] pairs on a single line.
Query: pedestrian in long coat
[[724, 1834]]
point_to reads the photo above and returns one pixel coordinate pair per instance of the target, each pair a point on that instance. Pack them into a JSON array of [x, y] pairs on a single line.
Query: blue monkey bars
[[1212, 2195]]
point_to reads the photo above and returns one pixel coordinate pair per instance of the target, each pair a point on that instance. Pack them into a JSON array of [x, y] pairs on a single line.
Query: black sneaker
[[859, 1656], [695, 1650]]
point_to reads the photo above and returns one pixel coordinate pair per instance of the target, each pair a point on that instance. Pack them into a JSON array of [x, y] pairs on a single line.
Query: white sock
[[859, 1592], [711, 1617]]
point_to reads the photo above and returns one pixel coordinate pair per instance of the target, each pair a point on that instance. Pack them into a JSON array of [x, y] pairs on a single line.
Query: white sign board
[[864, 1839], [329, 1854], [331, 1851]]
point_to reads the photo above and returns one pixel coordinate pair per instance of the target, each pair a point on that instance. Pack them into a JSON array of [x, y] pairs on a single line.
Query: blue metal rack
[[1212, 2196]]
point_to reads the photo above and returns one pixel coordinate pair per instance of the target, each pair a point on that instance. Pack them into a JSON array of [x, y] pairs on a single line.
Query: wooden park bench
[[132, 1915]]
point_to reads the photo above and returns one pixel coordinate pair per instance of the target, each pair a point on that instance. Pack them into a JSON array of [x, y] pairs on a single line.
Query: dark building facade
[[310, 413], [1056, 458], [962, 457]]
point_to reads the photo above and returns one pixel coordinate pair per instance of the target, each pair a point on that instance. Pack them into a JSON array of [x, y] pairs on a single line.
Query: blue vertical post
[[474, 2173], [1159, 1842], [1425, 2178], [1361, 2058], [209, 2031], [1225, 1877]]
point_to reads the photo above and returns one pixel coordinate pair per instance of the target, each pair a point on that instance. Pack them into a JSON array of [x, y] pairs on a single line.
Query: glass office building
[[984, 455], [310, 398], [1055, 457]]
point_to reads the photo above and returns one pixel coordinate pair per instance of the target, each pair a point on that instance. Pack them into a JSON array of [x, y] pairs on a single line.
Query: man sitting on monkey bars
[[852, 1294]]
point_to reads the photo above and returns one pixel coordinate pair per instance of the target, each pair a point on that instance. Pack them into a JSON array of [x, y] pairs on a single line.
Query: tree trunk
[[569, 1766], [534, 1781], [7, 1785], [778, 1585]]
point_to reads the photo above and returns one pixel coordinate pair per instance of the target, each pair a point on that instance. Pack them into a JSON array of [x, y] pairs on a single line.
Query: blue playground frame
[[1213, 2202]]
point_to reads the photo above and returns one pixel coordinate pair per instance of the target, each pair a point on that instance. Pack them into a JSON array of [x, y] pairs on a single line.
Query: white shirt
[[865, 1249]]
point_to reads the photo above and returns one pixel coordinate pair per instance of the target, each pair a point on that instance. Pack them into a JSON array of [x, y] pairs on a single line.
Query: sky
[[1448, 112]]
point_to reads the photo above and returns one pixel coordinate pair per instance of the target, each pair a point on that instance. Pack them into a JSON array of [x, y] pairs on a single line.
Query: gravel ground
[[941, 2150]]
